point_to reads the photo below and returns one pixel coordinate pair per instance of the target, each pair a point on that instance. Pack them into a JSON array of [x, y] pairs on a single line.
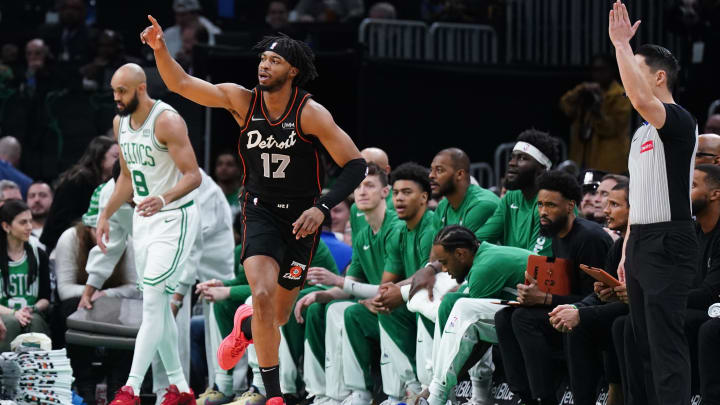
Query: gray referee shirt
[[661, 165]]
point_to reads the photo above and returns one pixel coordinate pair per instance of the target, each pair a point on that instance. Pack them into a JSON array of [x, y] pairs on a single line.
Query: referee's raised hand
[[620, 29], [152, 35]]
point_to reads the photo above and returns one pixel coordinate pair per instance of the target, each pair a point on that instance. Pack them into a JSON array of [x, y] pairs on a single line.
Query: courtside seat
[[113, 323]]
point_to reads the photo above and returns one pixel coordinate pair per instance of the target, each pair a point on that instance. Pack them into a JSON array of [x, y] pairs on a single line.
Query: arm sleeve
[[66, 266], [358, 289], [351, 175], [492, 230]]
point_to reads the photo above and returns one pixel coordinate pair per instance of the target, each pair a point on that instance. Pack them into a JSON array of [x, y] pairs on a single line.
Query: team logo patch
[[295, 272], [647, 146]]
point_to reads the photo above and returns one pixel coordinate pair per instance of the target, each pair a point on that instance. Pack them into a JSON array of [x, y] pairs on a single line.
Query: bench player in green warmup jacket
[[488, 273], [324, 314], [393, 331], [226, 297]]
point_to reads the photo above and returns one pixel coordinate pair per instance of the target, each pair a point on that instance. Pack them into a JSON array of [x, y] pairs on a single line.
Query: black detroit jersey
[[279, 161]]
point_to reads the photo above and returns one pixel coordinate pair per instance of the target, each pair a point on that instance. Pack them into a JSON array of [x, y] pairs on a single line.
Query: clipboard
[[552, 274], [600, 275]]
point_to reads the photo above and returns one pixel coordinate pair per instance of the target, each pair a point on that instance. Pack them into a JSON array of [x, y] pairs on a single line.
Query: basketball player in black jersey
[[281, 128]]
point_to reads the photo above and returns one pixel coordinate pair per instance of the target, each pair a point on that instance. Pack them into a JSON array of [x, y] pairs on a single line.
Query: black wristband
[[323, 208]]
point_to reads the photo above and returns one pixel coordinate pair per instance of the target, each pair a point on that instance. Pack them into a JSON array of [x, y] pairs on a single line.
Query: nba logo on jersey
[[295, 272], [147, 132]]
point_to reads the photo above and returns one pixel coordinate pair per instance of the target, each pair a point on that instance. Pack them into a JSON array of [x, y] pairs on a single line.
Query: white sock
[[157, 334], [170, 353], [150, 335], [224, 383]]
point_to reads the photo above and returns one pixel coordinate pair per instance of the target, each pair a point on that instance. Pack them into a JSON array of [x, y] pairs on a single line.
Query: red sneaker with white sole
[[233, 346]]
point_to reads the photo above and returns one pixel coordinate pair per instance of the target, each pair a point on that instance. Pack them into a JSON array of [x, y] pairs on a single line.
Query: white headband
[[534, 152]]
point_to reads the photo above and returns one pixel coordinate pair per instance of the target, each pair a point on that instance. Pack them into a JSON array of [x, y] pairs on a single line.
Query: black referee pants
[[709, 356], [660, 265]]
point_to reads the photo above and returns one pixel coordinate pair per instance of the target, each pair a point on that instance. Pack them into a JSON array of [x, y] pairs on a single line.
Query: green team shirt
[[357, 218], [478, 205], [370, 257], [239, 285], [495, 271], [20, 294], [411, 249], [516, 223]]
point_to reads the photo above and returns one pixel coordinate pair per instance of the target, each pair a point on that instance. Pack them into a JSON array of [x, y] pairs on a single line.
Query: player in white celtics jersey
[[159, 170]]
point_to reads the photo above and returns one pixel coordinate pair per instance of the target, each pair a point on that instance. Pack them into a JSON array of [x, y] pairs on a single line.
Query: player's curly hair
[[413, 172], [299, 55], [456, 236], [561, 182], [547, 144]]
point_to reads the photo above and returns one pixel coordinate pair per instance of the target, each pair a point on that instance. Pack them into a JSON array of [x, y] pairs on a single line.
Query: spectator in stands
[[39, 199], [527, 340], [71, 257], [10, 151], [187, 14], [341, 251], [588, 342], [39, 76], [708, 150], [9, 190], [340, 218], [591, 204], [191, 35], [25, 292], [228, 177], [277, 15], [712, 125], [69, 40], [328, 11], [76, 185], [109, 56], [382, 10], [601, 119]]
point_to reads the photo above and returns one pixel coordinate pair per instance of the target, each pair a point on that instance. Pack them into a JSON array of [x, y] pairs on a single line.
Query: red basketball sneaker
[[173, 396], [233, 346], [275, 401], [125, 396]]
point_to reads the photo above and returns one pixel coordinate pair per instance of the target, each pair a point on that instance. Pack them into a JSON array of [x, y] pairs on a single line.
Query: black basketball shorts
[[267, 230]]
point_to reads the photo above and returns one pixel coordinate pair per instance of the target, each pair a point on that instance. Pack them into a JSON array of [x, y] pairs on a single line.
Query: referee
[[660, 249]]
